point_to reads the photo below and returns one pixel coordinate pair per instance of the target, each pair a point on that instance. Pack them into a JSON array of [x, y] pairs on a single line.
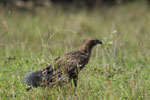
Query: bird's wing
[[71, 60], [66, 65]]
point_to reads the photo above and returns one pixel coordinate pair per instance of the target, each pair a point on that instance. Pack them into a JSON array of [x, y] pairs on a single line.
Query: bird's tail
[[33, 78]]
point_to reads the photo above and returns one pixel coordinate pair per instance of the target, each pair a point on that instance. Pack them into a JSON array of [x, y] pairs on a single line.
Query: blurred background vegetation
[[87, 3]]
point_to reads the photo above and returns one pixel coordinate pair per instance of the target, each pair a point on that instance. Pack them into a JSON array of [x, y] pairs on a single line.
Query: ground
[[118, 70]]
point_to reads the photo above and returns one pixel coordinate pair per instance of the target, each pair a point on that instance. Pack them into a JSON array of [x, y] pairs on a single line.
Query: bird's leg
[[75, 79]]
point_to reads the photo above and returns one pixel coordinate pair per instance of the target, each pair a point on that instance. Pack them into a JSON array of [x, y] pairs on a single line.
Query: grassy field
[[118, 70]]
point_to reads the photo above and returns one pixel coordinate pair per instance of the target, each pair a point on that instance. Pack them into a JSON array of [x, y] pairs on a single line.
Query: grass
[[118, 70]]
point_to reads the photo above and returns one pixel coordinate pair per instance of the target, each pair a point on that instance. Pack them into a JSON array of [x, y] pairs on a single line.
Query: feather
[[33, 78]]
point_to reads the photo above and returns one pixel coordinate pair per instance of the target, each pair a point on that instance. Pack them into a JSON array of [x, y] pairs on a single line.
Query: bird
[[64, 69]]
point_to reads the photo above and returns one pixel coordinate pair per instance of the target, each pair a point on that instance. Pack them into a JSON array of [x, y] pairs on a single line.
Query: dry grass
[[118, 70]]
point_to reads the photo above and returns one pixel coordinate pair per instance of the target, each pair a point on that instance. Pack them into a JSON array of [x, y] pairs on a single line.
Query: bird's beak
[[99, 42]]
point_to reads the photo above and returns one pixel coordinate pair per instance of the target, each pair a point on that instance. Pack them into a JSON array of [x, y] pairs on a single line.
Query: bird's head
[[89, 44], [92, 42]]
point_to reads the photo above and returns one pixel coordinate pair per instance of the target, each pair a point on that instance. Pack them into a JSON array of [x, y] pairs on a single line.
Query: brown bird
[[65, 67]]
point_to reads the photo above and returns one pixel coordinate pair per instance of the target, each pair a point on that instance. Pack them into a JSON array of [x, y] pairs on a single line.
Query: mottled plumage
[[65, 67]]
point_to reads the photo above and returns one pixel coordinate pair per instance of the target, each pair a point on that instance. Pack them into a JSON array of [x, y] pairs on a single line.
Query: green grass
[[118, 70]]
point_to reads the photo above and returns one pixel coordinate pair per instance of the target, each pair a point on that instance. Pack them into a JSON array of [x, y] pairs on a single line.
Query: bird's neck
[[86, 49]]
